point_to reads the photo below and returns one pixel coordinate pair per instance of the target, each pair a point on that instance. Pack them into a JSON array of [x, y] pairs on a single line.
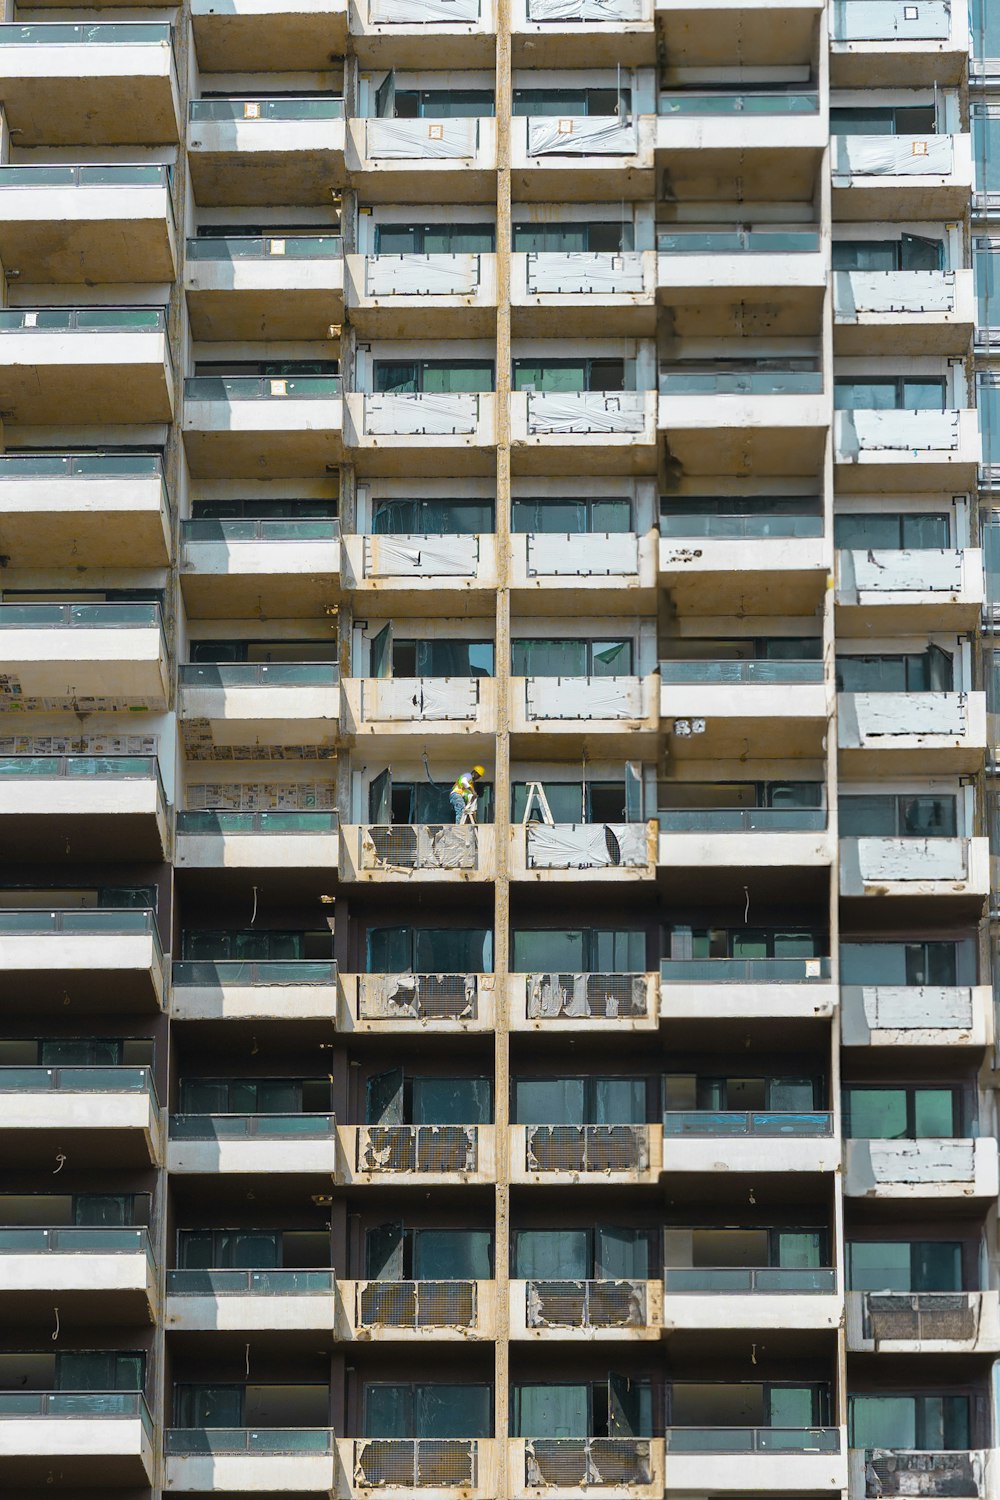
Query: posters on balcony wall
[[266, 796], [78, 744], [199, 745]]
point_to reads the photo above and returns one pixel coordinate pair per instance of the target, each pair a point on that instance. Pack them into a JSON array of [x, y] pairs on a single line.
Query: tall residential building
[[583, 390]]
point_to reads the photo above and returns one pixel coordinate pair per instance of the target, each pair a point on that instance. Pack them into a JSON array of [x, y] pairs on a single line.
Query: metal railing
[[271, 1283], [677, 382], [577, 1463], [738, 1122], [80, 465], [753, 1440], [920, 1315], [577, 996], [768, 672], [234, 674], [743, 970], [251, 1127], [237, 971], [330, 107], [418, 846], [760, 527], [125, 174], [260, 387], [426, 997], [81, 319], [739, 104], [82, 1080], [101, 34], [746, 1280], [585, 1304], [418, 1304], [417, 1463], [739, 242], [742, 819], [280, 529], [265, 247], [249, 1440], [438, 1149], [586, 1148], [81, 616], [205, 821]]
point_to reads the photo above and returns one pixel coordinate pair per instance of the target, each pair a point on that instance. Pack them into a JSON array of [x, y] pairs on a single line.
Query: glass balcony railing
[[79, 616], [738, 1122], [102, 920], [246, 1127], [742, 819], [739, 104], [261, 387], [739, 242], [81, 319], [266, 247], [235, 971], [27, 1404], [249, 1440], [128, 174], [74, 1241], [213, 822], [745, 1280], [753, 1440], [330, 107], [743, 970], [79, 465], [281, 529], [231, 674], [758, 527], [79, 767], [271, 1283], [71, 34], [113, 1080], [768, 672], [741, 382]]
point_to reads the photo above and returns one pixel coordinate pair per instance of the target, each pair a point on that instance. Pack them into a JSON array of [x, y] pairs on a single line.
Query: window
[[903, 816], [241, 1249], [603, 102], [273, 369], [986, 150], [393, 1098], [891, 531], [271, 510], [984, 24], [428, 1409], [567, 238], [932, 1423], [931, 671], [889, 393], [789, 1249], [209, 1405], [106, 1210], [571, 658], [579, 374], [442, 377], [263, 651], [911, 252], [432, 517], [752, 942], [99, 1370], [618, 1407], [690, 1091], [434, 239], [583, 1101], [434, 658], [429, 950], [595, 950], [248, 947], [601, 1254], [901, 1114], [442, 104], [575, 517], [919, 963], [396, 1253], [575, 802], [748, 1403], [884, 119], [410, 802], [253, 1096], [88, 1052], [904, 1265]]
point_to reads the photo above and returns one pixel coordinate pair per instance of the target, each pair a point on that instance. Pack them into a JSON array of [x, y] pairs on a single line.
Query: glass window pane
[[552, 1254], [452, 1254], [551, 1411], [791, 1406], [618, 1101], [451, 1101], [879, 1266], [883, 1422], [549, 1101], [937, 1266], [390, 950], [622, 1253], [926, 529], [612, 658], [861, 532], [873, 963], [934, 1113], [876, 1114], [389, 1411], [867, 817], [548, 951], [448, 1411], [921, 394], [617, 951]]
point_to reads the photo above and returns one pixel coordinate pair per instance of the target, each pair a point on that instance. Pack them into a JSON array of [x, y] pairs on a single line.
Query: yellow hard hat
[[479, 770]]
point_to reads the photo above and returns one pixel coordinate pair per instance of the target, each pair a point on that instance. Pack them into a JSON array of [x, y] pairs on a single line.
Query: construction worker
[[465, 794]]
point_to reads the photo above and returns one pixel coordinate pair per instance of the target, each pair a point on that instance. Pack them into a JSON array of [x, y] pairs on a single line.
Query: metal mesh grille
[[417, 1148], [920, 1315], [604, 996], [441, 1463], [587, 1148], [573, 1462], [419, 846], [586, 1304], [927, 1474], [395, 844], [419, 1304], [431, 997]]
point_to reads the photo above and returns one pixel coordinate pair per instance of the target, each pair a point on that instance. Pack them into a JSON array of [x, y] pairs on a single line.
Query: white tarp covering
[[421, 275], [892, 155], [587, 846], [922, 1161], [386, 995], [892, 291], [889, 859], [421, 12], [585, 10], [582, 135], [412, 140], [584, 698], [859, 432], [927, 571], [887, 20], [413, 414], [573, 554], [401, 698], [551, 995], [908, 1008], [868, 716], [597, 271], [586, 411], [421, 556]]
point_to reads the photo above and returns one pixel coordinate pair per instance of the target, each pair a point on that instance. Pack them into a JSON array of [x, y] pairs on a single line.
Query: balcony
[[68, 84], [586, 1311], [586, 1003], [388, 1004], [104, 510], [104, 960], [925, 733], [707, 275], [580, 1466], [437, 1467], [85, 365], [582, 158], [416, 567], [880, 1015], [106, 223], [566, 34], [253, 36], [883, 177], [906, 450], [439, 1155], [558, 294], [923, 1169], [389, 707], [56, 807], [705, 141], [423, 161], [583, 852], [896, 1472], [421, 34], [272, 840], [889, 45], [945, 868], [583, 432], [251, 1301], [262, 427], [909, 593], [745, 419], [548, 709], [241, 1460], [612, 569], [743, 838], [422, 296], [102, 1439], [742, 1460], [406, 434], [744, 988], [697, 1298], [733, 702], [296, 704], [783, 559], [923, 1323], [101, 657], [417, 852], [717, 32], [104, 1116], [265, 151], [903, 312], [283, 568], [103, 1276], [230, 990], [249, 1144], [707, 1141], [593, 1154], [264, 286], [412, 1311]]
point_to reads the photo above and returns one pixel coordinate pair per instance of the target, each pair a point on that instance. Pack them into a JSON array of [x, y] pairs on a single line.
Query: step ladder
[[535, 795]]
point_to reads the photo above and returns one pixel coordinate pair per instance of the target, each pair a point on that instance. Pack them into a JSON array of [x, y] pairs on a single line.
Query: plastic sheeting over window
[[872, 431], [603, 273], [579, 995], [588, 846], [584, 698], [582, 135], [892, 291], [411, 414], [421, 12], [421, 556], [586, 411], [892, 156], [421, 275], [415, 140]]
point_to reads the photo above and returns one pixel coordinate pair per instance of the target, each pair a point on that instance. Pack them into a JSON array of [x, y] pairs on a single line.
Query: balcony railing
[[78, 616], [81, 319], [101, 34], [283, 529], [416, 1463], [587, 1148], [418, 1148], [330, 108], [102, 921], [127, 175], [890, 21], [235, 674], [260, 387], [79, 767], [588, 11], [265, 247], [22, 1405], [239, 972], [80, 465], [709, 1122], [920, 1315], [251, 1127], [218, 1283], [739, 242], [732, 672], [753, 1440], [743, 970], [580, 995], [576, 1463], [742, 1281], [418, 1304], [253, 1441], [111, 1080], [209, 822], [425, 997], [587, 846], [74, 1241], [742, 819], [420, 846], [740, 382], [739, 104], [894, 1471], [760, 527], [585, 1304]]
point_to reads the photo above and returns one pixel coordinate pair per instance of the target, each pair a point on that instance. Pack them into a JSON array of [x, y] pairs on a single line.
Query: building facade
[[603, 393]]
